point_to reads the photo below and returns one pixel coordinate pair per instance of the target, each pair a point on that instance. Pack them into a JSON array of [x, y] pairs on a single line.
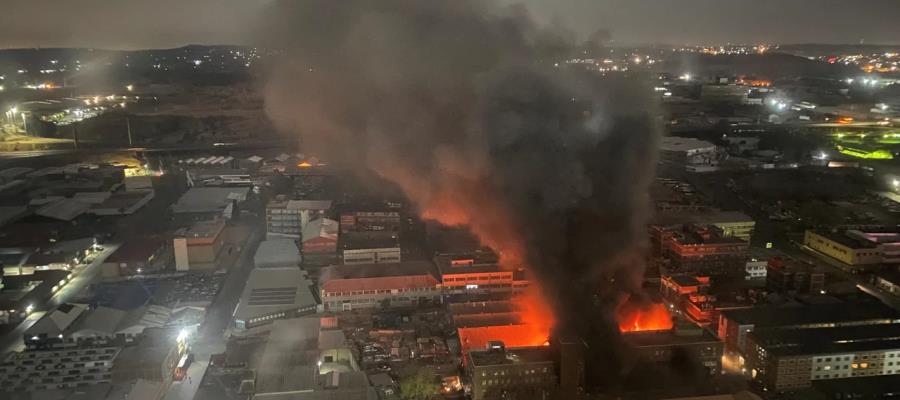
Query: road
[[210, 338], [84, 276]]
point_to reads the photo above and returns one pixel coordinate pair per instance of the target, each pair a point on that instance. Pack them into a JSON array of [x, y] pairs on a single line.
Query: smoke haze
[[461, 105]]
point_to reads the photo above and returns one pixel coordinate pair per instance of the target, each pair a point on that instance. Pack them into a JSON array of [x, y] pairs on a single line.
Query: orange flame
[[635, 317]]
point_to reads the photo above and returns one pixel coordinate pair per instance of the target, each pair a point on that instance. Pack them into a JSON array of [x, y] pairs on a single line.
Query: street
[[210, 338], [84, 276]]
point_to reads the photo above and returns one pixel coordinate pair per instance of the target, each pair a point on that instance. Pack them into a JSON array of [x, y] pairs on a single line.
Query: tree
[[418, 386]]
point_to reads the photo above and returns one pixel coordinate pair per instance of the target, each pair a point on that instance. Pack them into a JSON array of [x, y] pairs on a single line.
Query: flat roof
[[361, 271], [518, 355], [710, 216], [203, 229], [208, 199], [358, 277], [136, 250], [774, 316], [277, 253], [271, 290], [466, 263], [847, 339], [842, 238], [65, 210], [676, 143], [671, 337]]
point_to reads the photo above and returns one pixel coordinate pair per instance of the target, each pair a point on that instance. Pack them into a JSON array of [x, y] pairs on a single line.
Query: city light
[[182, 336], [129, 88], [29, 309]]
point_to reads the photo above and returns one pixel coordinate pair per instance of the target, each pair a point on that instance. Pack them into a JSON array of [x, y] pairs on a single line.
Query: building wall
[[372, 256], [741, 230], [268, 318], [399, 297], [477, 282], [182, 262], [319, 245], [525, 380], [798, 371], [841, 252], [888, 286]]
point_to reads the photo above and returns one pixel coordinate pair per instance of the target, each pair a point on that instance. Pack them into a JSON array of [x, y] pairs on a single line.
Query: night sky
[[132, 24]]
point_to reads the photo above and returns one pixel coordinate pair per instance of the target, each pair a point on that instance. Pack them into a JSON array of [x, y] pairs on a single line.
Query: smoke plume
[[470, 109]]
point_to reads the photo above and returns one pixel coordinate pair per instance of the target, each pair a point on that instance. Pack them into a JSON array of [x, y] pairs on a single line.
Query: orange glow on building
[[304, 165], [635, 317]]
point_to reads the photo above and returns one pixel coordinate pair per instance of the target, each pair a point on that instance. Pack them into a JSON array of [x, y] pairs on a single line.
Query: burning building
[[548, 165]]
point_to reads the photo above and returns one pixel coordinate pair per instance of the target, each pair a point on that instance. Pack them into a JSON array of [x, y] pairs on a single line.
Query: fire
[[635, 317]]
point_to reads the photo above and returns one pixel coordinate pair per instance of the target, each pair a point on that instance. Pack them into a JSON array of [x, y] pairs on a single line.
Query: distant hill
[[767, 66]]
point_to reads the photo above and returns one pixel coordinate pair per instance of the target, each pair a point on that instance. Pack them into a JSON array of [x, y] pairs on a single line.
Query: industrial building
[[309, 358], [732, 223], [736, 325], [688, 151], [856, 248], [320, 240], [288, 218], [783, 275], [349, 287], [23, 372], [274, 293], [205, 203], [889, 282], [793, 358], [364, 248], [517, 373], [198, 247], [702, 249], [277, 253], [380, 221], [684, 340], [471, 274], [133, 257]]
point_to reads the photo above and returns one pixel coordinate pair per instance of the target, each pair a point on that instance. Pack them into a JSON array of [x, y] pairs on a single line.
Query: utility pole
[[128, 126], [75, 135]]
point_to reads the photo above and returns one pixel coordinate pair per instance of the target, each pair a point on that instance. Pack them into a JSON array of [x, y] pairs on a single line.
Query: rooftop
[[208, 199], [775, 316], [518, 355], [272, 290], [321, 227], [848, 241], [675, 143], [277, 253], [709, 216], [847, 339], [670, 337], [65, 210], [407, 274], [203, 229], [136, 250], [477, 262]]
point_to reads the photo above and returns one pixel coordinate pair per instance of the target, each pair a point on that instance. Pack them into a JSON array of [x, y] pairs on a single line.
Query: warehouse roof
[[847, 339], [277, 253], [679, 144], [209, 199], [774, 316], [348, 278], [537, 354], [272, 290], [65, 210]]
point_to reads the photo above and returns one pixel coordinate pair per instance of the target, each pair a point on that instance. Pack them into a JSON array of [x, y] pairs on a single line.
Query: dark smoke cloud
[[461, 105]]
